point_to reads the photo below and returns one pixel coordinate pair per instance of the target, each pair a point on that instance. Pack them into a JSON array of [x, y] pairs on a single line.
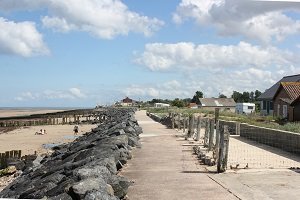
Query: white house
[[245, 108], [161, 105]]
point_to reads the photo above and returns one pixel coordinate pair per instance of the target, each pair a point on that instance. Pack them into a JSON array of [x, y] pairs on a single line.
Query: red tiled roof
[[292, 89]]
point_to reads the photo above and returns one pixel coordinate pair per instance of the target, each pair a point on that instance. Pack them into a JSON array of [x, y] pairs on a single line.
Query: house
[[287, 101], [245, 108], [127, 102], [161, 105], [192, 105], [225, 104], [266, 98]]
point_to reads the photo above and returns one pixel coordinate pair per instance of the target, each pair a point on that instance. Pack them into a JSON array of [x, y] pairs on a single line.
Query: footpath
[[165, 169]]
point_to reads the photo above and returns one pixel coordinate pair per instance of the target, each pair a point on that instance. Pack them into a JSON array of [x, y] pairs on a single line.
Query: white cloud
[[21, 38], [77, 93], [188, 56], [102, 18], [212, 84], [259, 20], [72, 93]]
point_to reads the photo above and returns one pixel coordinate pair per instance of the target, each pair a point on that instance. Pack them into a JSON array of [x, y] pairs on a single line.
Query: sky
[[80, 53]]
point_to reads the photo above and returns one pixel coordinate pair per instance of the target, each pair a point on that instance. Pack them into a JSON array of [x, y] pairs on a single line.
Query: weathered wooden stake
[[217, 139], [211, 134], [179, 122], [173, 120], [237, 128], [217, 113], [198, 128], [223, 151], [191, 126], [206, 132], [184, 123]]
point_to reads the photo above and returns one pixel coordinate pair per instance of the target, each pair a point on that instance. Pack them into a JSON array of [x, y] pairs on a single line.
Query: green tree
[[222, 96], [196, 97], [178, 103], [257, 93], [237, 96]]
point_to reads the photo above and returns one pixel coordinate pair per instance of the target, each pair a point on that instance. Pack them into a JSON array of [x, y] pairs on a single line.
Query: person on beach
[[75, 129]]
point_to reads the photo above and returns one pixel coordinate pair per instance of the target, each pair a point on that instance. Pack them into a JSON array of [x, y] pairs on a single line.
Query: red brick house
[[287, 101]]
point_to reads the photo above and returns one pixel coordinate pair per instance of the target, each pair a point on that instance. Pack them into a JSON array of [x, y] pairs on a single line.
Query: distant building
[[287, 101], [193, 105], [225, 104], [127, 102], [161, 105], [245, 108], [266, 98]]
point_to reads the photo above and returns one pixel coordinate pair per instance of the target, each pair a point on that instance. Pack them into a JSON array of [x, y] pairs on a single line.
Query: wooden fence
[[8, 155]]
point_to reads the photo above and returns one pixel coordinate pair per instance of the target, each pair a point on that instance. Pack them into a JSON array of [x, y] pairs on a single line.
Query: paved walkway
[[164, 169]]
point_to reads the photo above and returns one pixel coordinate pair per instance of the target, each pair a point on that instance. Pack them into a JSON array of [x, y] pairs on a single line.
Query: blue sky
[[84, 52]]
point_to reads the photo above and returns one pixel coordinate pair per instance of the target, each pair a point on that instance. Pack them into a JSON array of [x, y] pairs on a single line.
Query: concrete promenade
[[164, 169]]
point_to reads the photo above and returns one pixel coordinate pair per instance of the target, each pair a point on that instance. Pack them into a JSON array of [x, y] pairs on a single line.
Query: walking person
[[76, 129]]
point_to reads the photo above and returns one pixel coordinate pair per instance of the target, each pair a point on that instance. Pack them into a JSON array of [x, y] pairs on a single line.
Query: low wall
[[284, 140], [231, 126]]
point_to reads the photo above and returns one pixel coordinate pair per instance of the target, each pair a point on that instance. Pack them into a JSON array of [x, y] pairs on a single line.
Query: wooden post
[[179, 122], [217, 139], [237, 128], [211, 134], [217, 114], [223, 151], [191, 126], [184, 123], [198, 128], [206, 132], [173, 120]]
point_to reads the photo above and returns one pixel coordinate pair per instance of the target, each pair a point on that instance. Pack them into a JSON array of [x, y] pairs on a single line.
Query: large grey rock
[[120, 185], [79, 190]]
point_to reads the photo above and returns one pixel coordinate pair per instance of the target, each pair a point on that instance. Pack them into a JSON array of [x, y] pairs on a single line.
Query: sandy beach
[[25, 112], [24, 138]]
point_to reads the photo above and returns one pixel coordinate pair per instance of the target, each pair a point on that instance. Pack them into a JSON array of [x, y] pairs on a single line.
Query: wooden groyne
[[63, 117]]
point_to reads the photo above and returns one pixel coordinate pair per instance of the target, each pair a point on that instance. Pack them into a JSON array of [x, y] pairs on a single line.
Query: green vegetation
[[262, 121]]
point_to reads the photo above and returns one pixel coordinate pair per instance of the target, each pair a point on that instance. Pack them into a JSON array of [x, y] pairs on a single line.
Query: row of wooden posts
[[42, 121], [7, 155], [216, 135]]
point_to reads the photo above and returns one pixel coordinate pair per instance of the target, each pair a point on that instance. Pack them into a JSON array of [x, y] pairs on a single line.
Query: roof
[[270, 93], [292, 89], [127, 100], [217, 102]]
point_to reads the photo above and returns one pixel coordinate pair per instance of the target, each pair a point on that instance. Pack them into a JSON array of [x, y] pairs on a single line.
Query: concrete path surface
[[164, 169]]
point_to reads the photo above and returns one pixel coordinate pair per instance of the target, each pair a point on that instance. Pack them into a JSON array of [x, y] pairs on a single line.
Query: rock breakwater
[[86, 168]]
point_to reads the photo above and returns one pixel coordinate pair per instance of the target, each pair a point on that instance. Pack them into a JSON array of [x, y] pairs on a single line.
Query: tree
[[257, 93], [252, 97], [222, 96], [246, 97], [237, 96], [178, 103], [196, 97]]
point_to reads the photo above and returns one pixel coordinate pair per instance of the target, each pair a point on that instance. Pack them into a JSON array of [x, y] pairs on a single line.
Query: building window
[[250, 107], [271, 105], [264, 105]]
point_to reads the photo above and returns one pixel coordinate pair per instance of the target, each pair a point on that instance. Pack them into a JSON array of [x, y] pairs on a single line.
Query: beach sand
[[25, 112], [24, 138]]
